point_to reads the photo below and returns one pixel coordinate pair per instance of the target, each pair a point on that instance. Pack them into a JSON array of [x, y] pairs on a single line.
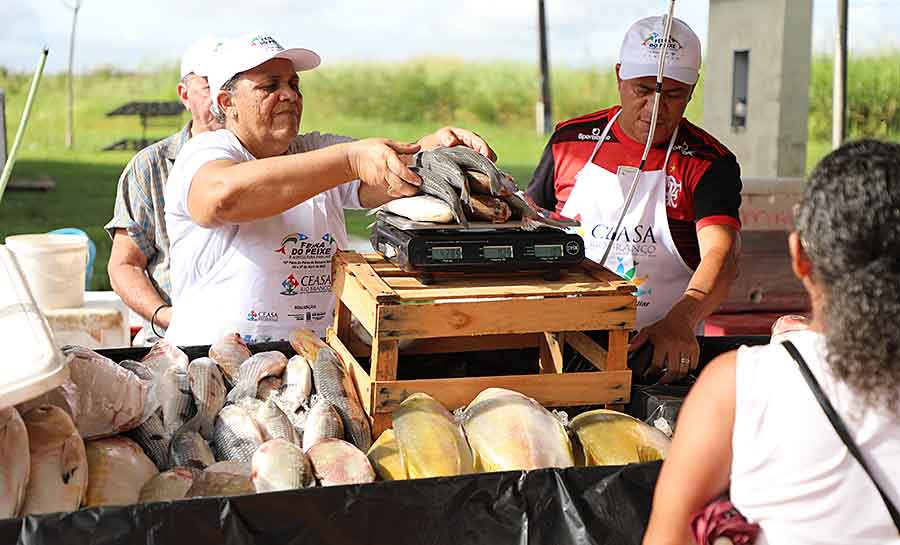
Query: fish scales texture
[[164, 355], [151, 436], [468, 159], [235, 468], [268, 387], [336, 462], [384, 454], [117, 471], [444, 166], [509, 431], [212, 484], [15, 462], [176, 399], [280, 465], [189, 449], [322, 422], [274, 424], [298, 374], [256, 368], [208, 388], [59, 465], [168, 486], [229, 353], [431, 443], [613, 438], [434, 184], [236, 435]]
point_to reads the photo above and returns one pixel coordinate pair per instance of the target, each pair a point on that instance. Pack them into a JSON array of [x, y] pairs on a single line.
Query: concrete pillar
[[773, 39]]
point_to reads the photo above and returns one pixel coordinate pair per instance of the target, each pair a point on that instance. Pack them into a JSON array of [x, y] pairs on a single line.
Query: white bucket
[[54, 267]]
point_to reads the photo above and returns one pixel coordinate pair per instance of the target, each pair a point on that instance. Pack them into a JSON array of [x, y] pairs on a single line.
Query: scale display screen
[[446, 253], [548, 250], [498, 252]]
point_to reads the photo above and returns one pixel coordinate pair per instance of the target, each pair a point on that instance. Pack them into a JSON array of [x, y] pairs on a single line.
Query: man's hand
[[675, 346], [451, 136], [377, 162]]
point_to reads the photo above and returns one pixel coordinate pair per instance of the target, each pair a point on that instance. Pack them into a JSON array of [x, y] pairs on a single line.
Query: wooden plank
[[410, 289], [554, 390], [357, 373], [508, 316], [342, 317], [447, 345], [350, 291], [384, 359], [601, 273], [587, 348], [355, 264], [618, 350], [380, 422], [550, 359]]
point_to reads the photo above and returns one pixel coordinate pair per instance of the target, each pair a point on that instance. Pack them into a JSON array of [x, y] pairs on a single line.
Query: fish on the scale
[[256, 368], [229, 353], [164, 355], [169, 485], [274, 424], [430, 441], [444, 166], [188, 448], [208, 390], [59, 465], [117, 471], [15, 462], [228, 466], [468, 159], [322, 422], [151, 436], [336, 462], [385, 457], [175, 398], [216, 483], [437, 186], [613, 438], [236, 436], [418, 208], [332, 382], [280, 465], [267, 387], [508, 431]]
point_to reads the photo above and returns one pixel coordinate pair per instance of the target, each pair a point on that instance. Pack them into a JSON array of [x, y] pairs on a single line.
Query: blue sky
[[131, 34]]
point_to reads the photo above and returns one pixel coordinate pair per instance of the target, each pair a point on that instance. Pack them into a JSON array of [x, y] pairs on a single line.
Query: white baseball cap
[[198, 56], [639, 56], [251, 50]]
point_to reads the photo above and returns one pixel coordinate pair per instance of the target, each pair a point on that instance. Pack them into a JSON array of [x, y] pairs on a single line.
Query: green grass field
[[397, 100]]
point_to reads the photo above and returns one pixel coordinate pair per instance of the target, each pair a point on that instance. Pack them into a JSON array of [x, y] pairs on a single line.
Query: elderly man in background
[[139, 262]]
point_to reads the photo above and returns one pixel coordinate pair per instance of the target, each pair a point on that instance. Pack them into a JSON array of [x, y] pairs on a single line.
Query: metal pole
[[546, 106], [70, 122], [2, 129], [11, 161], [839, 91]]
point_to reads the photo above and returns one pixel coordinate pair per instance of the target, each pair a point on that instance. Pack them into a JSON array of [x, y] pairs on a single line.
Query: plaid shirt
[[140, 206]]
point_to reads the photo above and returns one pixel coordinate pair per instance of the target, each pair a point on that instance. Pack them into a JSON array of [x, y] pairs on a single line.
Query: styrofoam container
[[31, 364], [54, 266]]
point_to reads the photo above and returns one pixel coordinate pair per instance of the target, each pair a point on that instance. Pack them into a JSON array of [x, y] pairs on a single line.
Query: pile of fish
[[503, 430], [461, 185], [166, 428]]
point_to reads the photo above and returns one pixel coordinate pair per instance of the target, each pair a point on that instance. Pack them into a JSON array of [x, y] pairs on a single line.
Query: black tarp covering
[[602, 505]]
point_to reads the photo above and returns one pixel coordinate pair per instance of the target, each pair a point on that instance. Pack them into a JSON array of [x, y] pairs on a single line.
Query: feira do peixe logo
[[655, 40], [300, 245]]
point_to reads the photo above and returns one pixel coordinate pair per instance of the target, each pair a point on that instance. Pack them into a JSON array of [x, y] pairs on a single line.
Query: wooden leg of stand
[[551, 352]]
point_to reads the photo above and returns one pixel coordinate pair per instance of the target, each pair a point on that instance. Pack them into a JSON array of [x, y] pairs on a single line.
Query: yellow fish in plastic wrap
[[385, 457], [431, 444], [613, 438], [509, 431]]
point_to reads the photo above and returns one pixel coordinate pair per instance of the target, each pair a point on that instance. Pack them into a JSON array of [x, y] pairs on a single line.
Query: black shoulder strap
[[839, 427]]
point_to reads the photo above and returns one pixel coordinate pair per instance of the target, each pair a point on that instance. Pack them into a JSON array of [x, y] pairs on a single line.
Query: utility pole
[[544, 109], [70, 122], [839, 91]]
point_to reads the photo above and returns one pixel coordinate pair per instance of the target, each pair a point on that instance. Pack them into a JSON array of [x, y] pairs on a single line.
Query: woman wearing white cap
[[678, 241], [255, 212]]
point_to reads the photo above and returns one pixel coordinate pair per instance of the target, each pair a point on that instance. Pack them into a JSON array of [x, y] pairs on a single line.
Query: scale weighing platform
[[427, 248]]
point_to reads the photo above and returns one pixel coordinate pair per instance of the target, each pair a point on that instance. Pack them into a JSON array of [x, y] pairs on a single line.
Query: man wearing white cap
[[139, 262], [255, 211], [680, 237]]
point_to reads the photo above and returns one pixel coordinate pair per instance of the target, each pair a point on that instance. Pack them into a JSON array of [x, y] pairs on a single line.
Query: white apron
[[644, 251], [275, 277]]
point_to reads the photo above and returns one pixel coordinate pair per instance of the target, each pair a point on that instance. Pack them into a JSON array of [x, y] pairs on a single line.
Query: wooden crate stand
[[464, 313]]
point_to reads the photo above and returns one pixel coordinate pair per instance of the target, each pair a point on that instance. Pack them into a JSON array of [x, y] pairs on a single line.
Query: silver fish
[[268, 386], [151, 436], [443, 165], [258, 367], [168, 486], [211, 484], [208, 389], [337, 462], [175, 398], [164, 355], [59, 465], [235, 468], [333, 383], [437, 186], [142, 371], [249, 404], [280, 465], [322, 422], [274, 423], [236, 435], [15, 461], [298, 382], [468, 159], [189, 449], [229, 353]]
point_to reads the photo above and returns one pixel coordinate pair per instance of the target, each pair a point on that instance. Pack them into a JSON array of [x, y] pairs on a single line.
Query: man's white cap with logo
[[198, 57], [639, 56], [251, 50]]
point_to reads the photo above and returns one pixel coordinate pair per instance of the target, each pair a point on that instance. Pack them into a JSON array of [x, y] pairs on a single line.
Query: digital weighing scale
[[427, 248]]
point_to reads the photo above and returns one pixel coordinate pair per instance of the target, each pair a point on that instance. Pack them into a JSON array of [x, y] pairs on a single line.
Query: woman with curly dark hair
[[752, 424]]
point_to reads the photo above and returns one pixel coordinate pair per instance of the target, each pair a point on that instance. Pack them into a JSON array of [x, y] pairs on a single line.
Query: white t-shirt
[[790, 471], [195, 249]]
